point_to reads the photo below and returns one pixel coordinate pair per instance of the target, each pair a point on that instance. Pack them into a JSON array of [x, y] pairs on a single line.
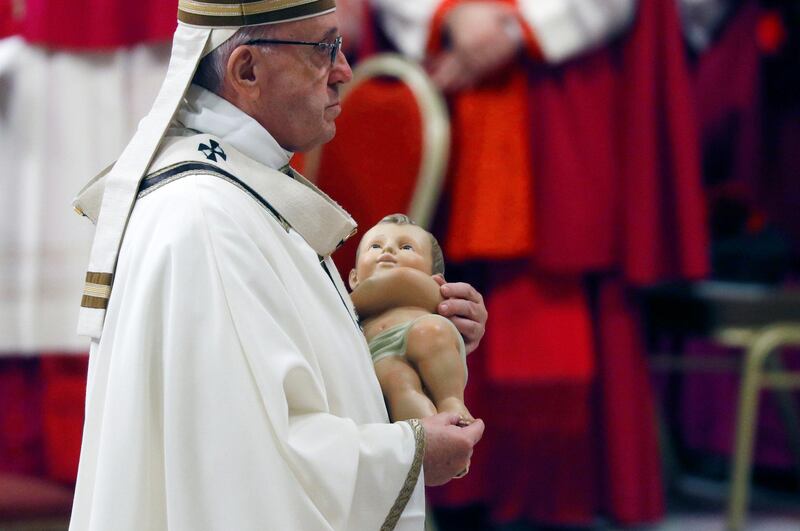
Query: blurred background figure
[[75, 78], [599, 147]]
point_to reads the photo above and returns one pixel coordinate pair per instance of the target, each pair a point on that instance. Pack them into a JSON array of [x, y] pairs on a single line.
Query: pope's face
[[389, 245], [299, 96]]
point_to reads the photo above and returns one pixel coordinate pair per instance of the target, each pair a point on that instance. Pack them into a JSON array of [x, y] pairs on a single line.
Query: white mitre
[[202, 26]]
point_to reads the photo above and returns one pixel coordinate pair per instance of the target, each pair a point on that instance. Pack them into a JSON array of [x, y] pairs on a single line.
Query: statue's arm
[[402, 286]]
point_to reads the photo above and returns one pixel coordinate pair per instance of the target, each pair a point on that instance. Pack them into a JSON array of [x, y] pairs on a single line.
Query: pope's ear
[[352, 279], [240, 70]]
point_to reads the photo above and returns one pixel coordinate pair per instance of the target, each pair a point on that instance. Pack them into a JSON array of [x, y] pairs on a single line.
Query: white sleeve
[[406, 23], [566, 28]]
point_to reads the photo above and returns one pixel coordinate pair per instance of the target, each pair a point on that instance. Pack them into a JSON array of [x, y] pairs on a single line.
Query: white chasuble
[[232, 388]]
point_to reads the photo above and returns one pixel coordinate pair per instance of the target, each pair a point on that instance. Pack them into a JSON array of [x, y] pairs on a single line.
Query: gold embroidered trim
[[411, 480], [99, 278], [97, 290], [232, 14], [94, 302], [216, 173], [258, 7]]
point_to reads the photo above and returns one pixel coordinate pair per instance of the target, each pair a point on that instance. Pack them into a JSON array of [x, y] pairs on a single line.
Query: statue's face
[[389, 245], [298, 99]]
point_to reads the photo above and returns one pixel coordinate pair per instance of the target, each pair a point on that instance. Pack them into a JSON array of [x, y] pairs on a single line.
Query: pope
[[229, 384]]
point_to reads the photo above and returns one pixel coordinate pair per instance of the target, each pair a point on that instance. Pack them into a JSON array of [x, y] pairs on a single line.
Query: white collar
[[205, 112], [249, 147]]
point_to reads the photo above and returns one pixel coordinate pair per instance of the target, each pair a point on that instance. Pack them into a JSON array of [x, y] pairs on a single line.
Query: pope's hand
[[464, 306], [448, 447]]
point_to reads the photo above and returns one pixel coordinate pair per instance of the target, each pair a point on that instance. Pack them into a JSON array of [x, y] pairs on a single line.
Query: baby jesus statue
[[419, 356]]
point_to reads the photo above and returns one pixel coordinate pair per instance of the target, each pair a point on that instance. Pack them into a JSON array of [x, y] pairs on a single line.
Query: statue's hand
[[463, 305]]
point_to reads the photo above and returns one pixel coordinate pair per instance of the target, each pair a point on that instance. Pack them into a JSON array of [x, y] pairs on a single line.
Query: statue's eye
[[407, 247], [375, 246]]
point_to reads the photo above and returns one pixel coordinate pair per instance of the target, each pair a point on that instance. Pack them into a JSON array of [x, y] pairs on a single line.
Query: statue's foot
[[454, 405]]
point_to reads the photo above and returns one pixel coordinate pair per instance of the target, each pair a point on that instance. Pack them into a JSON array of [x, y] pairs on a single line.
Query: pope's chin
[[326, 132], [329, 126]]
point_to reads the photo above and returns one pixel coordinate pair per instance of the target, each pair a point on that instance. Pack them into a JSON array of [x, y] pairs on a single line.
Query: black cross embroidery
[[212, 152]]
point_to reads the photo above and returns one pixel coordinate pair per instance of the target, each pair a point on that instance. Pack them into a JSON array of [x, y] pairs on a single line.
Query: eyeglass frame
[[334, 46]]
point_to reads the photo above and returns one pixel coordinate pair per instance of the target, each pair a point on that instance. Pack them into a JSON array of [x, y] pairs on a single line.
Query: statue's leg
[[433, 348], [403, 389]]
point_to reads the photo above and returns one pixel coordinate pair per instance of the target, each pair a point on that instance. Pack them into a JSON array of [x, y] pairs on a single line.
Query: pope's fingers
[[442, 419], [461, 290], [451, 418], [469, 328], [472, 332], [461, 308], [439, 278], [474, 432]]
